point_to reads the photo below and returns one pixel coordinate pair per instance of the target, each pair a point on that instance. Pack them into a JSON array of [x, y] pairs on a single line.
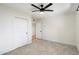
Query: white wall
[[7, 41], [59, 28], [77, 29], [59, 25]]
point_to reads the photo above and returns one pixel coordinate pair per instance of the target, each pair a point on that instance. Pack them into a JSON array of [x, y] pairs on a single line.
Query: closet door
[[20, 31]]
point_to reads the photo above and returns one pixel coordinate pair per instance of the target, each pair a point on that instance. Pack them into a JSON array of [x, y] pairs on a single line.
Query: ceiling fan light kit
[[41, 12], [42, 8]]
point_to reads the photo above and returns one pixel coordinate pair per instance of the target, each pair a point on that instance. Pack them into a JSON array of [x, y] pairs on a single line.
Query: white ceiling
[[57, 7], [22, 7]]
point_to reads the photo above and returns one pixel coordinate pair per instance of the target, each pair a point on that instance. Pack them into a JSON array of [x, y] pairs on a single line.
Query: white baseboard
[[61, 42], [29, 42]]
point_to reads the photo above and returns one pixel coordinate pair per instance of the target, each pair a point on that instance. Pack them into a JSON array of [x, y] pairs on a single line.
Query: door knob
[[40, 31], [26, 32]]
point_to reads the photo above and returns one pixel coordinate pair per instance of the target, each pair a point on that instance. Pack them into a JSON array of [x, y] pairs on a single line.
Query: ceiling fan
[[42, 8], [77, 8]]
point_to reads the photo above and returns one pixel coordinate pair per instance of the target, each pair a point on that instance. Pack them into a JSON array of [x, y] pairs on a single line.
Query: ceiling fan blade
[[48, 10], [77, 8], [48, 5], [35, 6], [35, 10]]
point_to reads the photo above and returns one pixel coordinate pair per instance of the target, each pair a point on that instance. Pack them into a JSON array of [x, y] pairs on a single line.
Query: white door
[[20, 31], [39, 30]]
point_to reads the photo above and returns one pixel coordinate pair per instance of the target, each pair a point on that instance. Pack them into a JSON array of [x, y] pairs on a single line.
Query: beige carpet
[[43, 47]]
